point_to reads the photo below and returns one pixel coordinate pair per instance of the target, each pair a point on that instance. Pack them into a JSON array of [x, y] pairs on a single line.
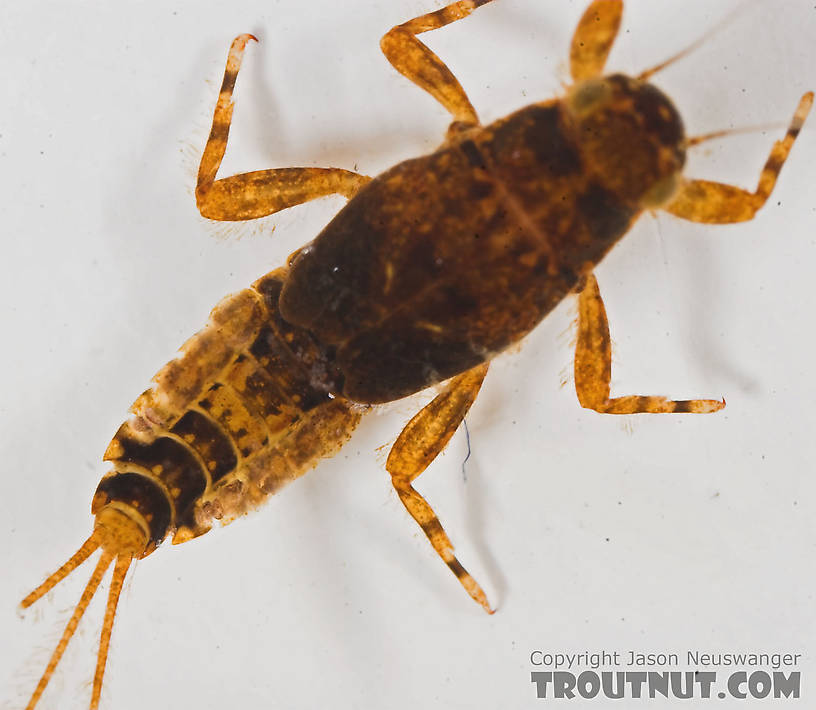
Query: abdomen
[[244, 409]]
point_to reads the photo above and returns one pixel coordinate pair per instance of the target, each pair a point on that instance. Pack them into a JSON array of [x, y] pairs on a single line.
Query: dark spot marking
[[473, 154], [209, 441], [219, 132], [659, 116], [775, 164], [179, 469], [605, 215], [270, 287], [534, 135]]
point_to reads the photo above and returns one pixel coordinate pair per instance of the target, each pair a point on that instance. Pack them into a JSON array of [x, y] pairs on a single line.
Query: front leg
[[717, 203], [594, 37], [593, 367]]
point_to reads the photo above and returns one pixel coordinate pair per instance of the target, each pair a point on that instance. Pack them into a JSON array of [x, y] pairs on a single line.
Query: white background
[[589, 532]]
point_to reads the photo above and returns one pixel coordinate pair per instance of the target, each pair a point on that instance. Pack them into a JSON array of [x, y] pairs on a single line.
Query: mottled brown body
[[442, 262], [431, 269]]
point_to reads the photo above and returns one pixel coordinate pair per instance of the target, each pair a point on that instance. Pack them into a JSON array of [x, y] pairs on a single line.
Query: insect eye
[[661, 192], [589, 94]]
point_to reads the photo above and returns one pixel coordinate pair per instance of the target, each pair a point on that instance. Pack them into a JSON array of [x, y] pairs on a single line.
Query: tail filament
[[123, 557]]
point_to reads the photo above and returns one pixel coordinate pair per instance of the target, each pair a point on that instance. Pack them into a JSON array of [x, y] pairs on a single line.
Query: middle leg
[[422, 439], [593, 366]]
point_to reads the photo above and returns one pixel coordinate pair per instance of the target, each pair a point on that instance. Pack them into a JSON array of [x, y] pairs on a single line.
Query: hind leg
[[261, 192]]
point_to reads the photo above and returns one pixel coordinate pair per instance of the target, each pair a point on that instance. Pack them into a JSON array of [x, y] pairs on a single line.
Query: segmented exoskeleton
[[244, 409], [433, 268]]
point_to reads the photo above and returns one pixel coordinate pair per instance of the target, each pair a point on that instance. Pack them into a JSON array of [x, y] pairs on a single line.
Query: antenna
[[644, 76]]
